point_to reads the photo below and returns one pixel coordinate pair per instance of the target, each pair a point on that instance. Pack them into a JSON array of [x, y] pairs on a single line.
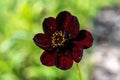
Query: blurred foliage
[[20, 20]]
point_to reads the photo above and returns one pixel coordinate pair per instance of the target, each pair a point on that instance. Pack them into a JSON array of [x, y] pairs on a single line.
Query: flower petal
[[68, 23], [77, 53], [84, 39], [64, 61], [63, 19], [49, 25], [48, 58], [43, 41], [73, 29]]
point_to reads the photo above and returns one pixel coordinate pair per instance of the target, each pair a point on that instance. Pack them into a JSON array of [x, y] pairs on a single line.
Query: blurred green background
[[20, 20]]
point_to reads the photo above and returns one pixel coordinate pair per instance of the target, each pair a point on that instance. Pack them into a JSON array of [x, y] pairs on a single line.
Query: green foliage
[[20, 20]]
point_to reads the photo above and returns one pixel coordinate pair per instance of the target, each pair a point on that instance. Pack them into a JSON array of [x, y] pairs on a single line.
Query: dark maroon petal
[[49, 25], [77, 53], [68, 23], [63, 19], [73, 29], [84, 39], [43, 41], [64, 61], [48, 59]]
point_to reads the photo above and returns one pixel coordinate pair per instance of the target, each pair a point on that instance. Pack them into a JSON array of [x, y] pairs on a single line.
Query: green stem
[[79, 71]]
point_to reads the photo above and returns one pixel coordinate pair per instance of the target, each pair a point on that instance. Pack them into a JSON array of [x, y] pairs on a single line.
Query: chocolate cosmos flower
[[62, 41]]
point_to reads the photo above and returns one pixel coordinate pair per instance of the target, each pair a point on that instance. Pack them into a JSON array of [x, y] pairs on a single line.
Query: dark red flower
[[62, 41]]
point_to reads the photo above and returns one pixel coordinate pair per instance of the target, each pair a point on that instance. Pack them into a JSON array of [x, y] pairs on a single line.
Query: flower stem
[[79, 71]]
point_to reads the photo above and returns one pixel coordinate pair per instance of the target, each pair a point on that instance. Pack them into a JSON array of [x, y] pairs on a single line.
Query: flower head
[[62, 41]]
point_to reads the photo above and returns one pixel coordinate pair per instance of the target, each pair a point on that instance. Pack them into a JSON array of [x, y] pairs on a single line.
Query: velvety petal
[[68, 23], [49, 25], [77, 53], [73, 28], [84, 39], [43, 41], [48, 58], [63, 19], [64, 61]]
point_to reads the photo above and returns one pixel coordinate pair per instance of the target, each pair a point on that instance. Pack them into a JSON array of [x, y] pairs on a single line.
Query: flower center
[[58, 39]]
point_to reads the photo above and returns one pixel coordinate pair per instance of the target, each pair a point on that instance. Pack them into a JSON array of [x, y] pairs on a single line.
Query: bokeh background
[[20, 20]]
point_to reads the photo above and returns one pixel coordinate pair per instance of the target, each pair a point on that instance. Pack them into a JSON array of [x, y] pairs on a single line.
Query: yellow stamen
[[58, 39]]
